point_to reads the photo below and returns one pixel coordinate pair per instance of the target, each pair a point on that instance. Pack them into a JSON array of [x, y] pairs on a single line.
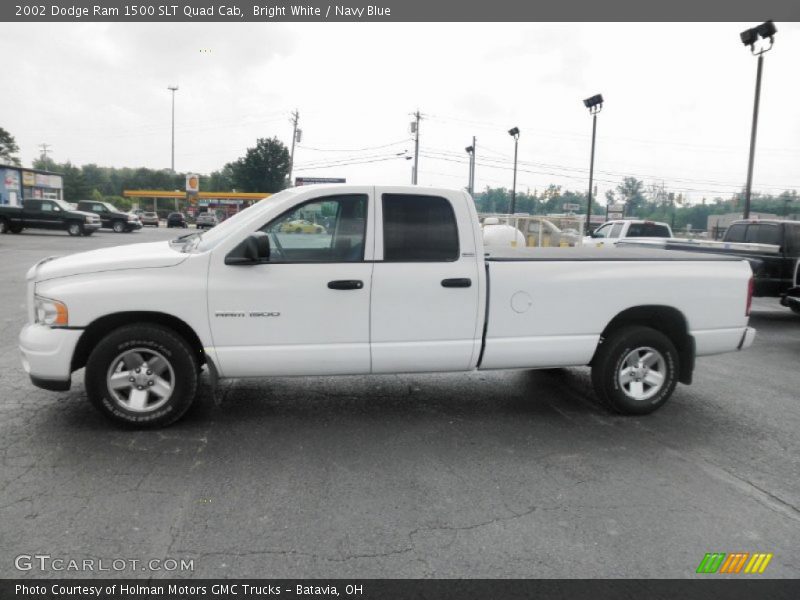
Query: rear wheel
[[142, 376], [635, 370], [16, 228], [75, 228]]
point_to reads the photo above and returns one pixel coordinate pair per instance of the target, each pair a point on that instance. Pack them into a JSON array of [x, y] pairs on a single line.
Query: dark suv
[[110, 216], [177, 219]]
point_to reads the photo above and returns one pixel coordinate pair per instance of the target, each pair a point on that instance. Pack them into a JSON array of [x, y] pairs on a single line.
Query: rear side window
[[792, 239], [648, 230], [418, 228], [763, 233]]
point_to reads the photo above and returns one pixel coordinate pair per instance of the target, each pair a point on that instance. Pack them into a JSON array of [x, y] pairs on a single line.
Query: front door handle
[[462, 282], [346, 284]]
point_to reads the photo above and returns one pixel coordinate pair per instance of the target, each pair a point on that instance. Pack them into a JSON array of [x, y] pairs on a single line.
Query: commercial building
[[18, 183]]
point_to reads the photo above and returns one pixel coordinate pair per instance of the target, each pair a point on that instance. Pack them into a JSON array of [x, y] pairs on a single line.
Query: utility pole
[[173, 89], [472, 172], [295, 119], [415, 131], [45, 148]]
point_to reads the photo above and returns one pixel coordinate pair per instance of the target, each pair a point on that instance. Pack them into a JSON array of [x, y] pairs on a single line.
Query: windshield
[[64, 205], [109, 207]]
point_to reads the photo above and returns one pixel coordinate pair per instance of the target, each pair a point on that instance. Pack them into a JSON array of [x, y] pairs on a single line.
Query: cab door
[[306, 311], [427, 290]]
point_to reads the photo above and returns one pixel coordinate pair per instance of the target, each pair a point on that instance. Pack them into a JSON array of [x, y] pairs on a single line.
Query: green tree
[[263, 168], [8, 148], [632, 192]]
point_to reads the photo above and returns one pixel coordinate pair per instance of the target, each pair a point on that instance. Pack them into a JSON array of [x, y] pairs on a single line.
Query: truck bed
[[588, 254]]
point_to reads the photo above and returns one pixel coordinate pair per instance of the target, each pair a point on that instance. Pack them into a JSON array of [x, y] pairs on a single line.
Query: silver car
[[206, 220]]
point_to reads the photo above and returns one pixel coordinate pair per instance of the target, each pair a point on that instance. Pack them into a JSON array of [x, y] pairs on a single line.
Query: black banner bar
[[735, 588], [396, 10]]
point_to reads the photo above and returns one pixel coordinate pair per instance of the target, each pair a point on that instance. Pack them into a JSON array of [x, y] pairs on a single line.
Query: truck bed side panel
[[550, 314]]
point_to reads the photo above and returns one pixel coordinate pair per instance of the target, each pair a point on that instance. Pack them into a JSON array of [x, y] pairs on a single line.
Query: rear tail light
[[749, 297]]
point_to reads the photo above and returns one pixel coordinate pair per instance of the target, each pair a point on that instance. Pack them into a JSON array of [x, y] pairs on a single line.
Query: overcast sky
[[678, 96]]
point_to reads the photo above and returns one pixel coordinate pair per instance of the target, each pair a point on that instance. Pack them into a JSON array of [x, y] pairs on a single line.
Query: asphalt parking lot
[[491, 474]]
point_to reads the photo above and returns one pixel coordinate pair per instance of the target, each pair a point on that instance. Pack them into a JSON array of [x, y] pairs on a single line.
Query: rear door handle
[[462, 282], [346, 284]]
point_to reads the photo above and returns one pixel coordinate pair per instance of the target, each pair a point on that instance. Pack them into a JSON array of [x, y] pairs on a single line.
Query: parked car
[[47, 214], [301, 226], [206, 220], [110, 216], [149, 218], [411, 290], [611, 232], [177, 219]]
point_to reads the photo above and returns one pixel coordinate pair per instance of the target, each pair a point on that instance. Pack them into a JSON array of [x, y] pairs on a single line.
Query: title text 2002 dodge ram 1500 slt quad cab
[[395, 280]]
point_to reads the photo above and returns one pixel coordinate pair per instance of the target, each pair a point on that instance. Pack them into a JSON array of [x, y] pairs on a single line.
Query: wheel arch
[[107, 323], [669, 321]]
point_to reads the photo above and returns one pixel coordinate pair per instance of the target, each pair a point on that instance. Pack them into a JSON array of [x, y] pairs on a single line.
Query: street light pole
[[595, 105], [514, 132], [173, 89], [471, 177], [749, 37]]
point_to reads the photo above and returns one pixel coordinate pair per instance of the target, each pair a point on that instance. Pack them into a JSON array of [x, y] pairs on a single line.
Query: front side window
[[602, 231], [763, 234], [330, 229], [418, 228], [616, 230]]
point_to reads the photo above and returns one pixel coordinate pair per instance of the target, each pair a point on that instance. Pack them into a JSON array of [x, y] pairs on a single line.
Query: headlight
[[89, 219], [50, 312]]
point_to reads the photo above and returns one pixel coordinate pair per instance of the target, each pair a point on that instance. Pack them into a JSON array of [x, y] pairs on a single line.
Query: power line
[[403, 141]]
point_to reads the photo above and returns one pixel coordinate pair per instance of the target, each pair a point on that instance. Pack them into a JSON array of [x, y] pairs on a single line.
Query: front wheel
[[118, 227], [635, 370], [142, 376], [75, 229]]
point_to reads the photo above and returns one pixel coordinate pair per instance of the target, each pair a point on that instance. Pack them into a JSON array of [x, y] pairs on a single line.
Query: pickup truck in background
[[111, 217], [397, 282], [47, 214], [772, 247], [612, 232]]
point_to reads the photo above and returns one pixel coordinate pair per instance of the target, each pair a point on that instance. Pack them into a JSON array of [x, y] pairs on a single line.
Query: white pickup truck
[[387, 280], [612, 232]]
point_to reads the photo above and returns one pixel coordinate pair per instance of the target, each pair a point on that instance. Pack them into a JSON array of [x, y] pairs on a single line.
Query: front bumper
[[91, 227], [133, 226], [46, 355], [747, 338]]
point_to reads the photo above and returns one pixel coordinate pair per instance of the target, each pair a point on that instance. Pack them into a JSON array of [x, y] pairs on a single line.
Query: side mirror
[[253, 250]]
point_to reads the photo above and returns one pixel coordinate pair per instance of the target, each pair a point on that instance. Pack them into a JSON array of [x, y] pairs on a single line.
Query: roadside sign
[[298, 181], [571, 206]]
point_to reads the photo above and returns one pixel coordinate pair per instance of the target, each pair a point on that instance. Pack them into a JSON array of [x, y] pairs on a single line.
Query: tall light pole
[[173, 89], [514, 132], [749, 37], [595, 105]]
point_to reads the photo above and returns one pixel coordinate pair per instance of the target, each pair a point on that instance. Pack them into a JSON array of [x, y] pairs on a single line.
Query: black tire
[[145, 340], [621, 349], [75, 228], [298, 230], [118, 227], [16, 228], [4, 227]]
